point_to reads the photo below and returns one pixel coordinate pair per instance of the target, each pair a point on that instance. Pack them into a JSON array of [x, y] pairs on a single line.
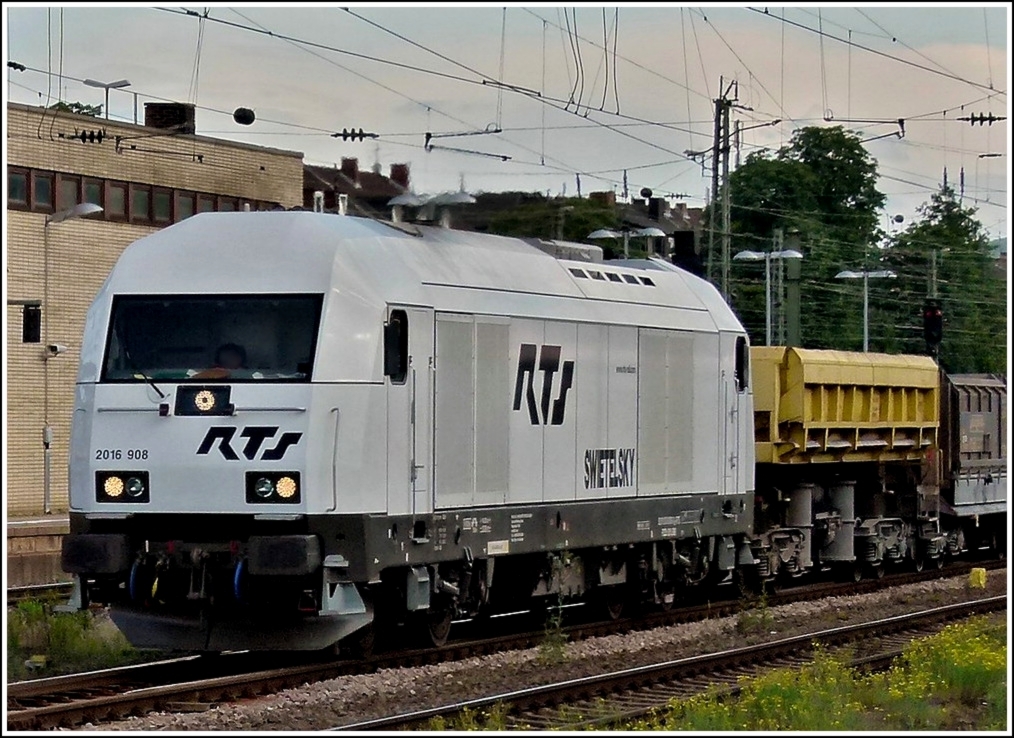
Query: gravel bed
[[350, 699]]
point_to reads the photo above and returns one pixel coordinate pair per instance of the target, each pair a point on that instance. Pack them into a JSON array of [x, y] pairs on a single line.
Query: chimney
[[655, 207], [180, 116], [399, 175], [350, 168]]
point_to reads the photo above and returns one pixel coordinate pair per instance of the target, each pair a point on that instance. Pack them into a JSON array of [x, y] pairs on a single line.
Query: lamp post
[[625, 234], [866, 277], [78, 211], [767, 256], [107, 86], [651, 232]]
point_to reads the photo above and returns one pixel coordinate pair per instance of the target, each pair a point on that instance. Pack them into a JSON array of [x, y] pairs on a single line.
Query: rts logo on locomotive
[[549, 364], [255, 435]]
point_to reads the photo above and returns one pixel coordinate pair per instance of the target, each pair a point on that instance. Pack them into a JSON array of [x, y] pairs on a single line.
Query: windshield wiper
[[142, 375]]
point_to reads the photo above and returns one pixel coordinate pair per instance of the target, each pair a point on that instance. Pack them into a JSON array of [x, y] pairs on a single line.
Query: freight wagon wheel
[[919, 562], [877, 570], [938, 562], [666, 592], [999, 549], [613, 601]]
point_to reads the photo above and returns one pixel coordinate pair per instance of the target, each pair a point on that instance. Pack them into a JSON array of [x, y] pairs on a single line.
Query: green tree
[[821, 186], [949, 246], [76, 107]]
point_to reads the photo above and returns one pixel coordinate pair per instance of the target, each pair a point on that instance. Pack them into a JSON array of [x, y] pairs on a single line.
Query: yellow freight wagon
[[829, 406]]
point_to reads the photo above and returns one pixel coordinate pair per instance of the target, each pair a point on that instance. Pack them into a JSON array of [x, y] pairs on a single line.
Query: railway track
[[199, 681], [608, 700], [38, 591]]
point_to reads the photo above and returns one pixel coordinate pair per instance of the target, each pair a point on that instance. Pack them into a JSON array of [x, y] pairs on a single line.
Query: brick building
[[145, 177]]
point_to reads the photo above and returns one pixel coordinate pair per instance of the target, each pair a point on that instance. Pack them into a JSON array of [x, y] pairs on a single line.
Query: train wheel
[[435, 623], [359, 645], [877, 570], [998, 546], [938, 563], [666, 594], [919, 562], [612, 601]]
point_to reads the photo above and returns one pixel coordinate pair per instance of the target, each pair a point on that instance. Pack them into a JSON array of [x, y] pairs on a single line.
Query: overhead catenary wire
[[649, 70], [616, 37], [609, 124], [485, 78], [895, 39], [452, 61], [823, 72], [899, 59], [503, 46]]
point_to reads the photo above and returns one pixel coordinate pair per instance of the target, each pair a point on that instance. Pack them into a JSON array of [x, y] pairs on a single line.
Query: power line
[[894, 38], [626, 59], [957, 78]]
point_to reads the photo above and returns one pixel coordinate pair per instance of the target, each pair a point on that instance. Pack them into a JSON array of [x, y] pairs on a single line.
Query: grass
[[42, 643], [754, 614], [955, 680], [553, 647]]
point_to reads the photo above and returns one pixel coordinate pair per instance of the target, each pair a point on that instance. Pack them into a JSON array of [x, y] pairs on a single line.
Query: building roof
[[367, 184], [141, 129]]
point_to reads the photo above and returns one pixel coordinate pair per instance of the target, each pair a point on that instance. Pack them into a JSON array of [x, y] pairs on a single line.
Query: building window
[[163, 206], [205, 203], [42, 191], [93, 192], [140, 202], [184, 205], [116, 198], [17, 188], [70, 192], [226, 203]]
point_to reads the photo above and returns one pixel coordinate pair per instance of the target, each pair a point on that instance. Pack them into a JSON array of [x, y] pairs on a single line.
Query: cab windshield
[[229, 338]]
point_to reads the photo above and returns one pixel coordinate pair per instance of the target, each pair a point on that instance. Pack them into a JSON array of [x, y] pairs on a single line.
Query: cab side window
[[742, 364], [396, 347]]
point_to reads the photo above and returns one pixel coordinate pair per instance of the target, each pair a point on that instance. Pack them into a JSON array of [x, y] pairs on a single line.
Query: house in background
[[368, 191]]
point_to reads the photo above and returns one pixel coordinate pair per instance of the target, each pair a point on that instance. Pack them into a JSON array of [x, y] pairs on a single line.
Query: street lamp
[[78, 211], [651, 232], [767, 256], [866, 277], [107, 86], [625, 234]]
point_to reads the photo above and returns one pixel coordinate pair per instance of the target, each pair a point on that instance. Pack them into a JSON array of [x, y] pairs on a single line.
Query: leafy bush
[[954, 680], [41, 642]]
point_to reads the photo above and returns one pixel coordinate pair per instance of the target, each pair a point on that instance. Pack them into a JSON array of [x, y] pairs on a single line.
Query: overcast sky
[[585, 91]]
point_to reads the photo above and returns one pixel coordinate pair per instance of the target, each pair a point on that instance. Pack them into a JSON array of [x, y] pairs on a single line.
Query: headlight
[[136, 486], [113, 486], [272, 487], [122, 486], [286, 487]]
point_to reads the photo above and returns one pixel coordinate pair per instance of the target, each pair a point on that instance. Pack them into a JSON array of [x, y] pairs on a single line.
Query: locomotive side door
[[733, 386], [408, 369]]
